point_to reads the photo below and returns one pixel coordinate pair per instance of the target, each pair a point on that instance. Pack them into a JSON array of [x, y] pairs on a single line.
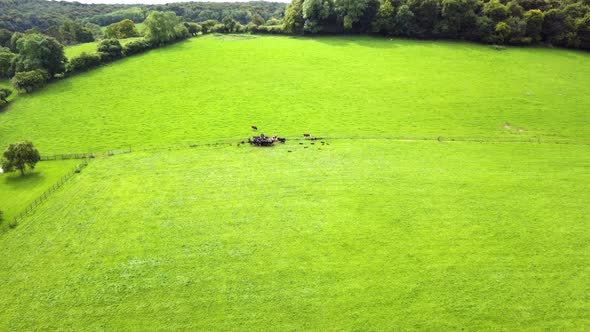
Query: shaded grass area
[[212, 88], [17, 192], [348, 236]]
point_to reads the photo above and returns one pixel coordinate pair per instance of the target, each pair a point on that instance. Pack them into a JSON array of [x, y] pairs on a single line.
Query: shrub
[[29, 80], [5, 93], [136, 46], [84, 62], [109, 50], [271, 29]]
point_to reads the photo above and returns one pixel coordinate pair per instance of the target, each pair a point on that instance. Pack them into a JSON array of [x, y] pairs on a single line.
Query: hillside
[[448, 190]]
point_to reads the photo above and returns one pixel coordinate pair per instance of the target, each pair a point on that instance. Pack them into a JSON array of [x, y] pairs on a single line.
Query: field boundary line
[[234, 141]]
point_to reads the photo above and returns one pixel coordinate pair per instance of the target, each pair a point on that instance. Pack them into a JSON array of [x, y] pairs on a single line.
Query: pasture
[[382, 227], [215, 88], [75, 50]]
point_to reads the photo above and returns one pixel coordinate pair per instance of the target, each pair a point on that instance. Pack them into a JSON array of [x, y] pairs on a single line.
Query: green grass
[[17, 192], [76, 50], [362, 235], [139, 26], [366, 233], [209, 89]]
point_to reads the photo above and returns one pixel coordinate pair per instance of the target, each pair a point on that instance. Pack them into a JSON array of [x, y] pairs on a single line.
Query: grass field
[[76, 50], [363, 236], [366, 232], [16, 192], [210, 88]]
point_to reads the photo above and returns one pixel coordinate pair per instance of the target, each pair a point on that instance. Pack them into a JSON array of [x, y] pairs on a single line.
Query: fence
[[47, 193], [87, 156], [90, 155]]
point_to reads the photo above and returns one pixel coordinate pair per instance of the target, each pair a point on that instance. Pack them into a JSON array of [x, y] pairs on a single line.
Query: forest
[[516, 22], [22, 15]]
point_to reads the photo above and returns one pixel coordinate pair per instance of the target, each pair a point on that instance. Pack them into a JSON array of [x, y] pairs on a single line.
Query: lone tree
[[19, 156], [5, 93]]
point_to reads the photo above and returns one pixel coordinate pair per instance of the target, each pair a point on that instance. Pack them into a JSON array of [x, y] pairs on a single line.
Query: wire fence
[[88, 155], [47, 193], [232, 142]]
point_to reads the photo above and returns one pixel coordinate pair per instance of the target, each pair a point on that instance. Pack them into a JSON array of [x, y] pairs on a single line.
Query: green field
[[76, 50], [16, 192], [211, 89], [388, 224]]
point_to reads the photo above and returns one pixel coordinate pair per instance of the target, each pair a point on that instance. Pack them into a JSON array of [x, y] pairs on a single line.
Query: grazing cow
[[307, 135], [254, 128]]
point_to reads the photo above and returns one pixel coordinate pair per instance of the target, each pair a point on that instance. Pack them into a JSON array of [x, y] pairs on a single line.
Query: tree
[[384, 20], [30, 80], [5, 36], [110, 49], [5, 93], [294, 21], [502, 31], [36, 51], [73, 32], [426, 15], [121, 30], [14, 41], [208, 25], [515, 9], [258, 19], [351, 11], [557, 26], [496, 11], [315, 12], [458, 16], [403, 21], [534, 24], [193, 28], [20, 156], [160, 27], [583, 31], [6, 64], [229, 23]]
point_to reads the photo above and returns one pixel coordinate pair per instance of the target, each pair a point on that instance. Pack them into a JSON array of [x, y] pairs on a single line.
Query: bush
[[29, 80], [270, 29], [109, 50], [217, 28], [136, 46], [4, 94], [84, 62]]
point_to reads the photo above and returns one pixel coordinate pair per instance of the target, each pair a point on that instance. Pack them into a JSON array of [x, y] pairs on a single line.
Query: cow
[[254, 128]]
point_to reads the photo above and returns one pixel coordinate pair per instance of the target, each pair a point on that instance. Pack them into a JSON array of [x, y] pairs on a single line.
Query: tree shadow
[[18, 181]]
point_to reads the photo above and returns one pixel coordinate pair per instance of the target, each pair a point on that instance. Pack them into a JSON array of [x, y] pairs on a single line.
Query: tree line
[[516, 22], [23, 15], [32, 59]]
